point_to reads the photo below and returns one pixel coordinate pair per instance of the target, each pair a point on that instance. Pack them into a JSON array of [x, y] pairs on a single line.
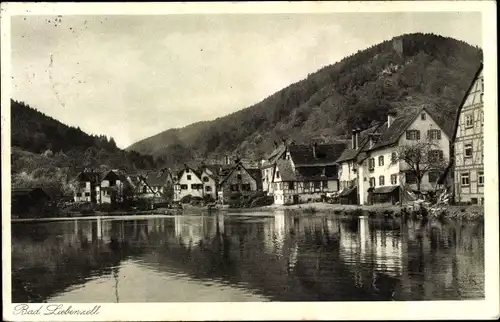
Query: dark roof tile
[[325, 153]]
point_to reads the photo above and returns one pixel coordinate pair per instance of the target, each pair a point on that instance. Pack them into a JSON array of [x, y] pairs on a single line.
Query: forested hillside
[[362, 88], [48, 153]]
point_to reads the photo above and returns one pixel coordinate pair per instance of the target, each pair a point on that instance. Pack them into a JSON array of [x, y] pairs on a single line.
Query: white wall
[[210, 183], [183, 180], [346, 173]]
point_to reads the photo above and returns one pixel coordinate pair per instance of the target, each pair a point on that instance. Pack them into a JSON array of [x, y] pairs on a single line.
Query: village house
[[267, 166], [26, 202], [189, 183], [112, 187], [348, 167], [156, 183], [210, 177], [468, 141], [379, 178], [307, 173], [239, 179], [86, 184]]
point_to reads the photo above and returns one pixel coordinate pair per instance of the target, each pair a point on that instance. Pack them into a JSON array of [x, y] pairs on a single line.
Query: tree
[[420, 157], [168, 191]]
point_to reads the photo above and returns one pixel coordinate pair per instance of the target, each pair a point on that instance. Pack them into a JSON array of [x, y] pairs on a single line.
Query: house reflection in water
[[361, 243], [191, 230]]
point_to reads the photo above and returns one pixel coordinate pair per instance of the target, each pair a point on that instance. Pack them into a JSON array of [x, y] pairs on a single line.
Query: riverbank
[[471, 213]]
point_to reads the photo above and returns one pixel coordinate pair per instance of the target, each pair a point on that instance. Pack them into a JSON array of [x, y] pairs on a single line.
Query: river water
[[246, 257]]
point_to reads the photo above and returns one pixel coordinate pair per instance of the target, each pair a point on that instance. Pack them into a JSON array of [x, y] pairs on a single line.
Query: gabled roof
[[350, 154], [391, 135], [276, 154], [326, 154], [254, 173], [157, 178], [288, 173], [24, 192], [193, 171], [285, 167], [93, 177], [459, 110]]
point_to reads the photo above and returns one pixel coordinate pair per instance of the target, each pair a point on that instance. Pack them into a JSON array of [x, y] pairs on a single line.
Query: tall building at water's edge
[[469, 144]]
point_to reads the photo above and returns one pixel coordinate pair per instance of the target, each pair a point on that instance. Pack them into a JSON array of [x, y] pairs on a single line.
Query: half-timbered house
[[307, 173], [469, 144]]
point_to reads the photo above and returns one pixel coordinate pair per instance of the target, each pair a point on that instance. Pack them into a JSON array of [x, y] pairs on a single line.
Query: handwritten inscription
[[53, 309]]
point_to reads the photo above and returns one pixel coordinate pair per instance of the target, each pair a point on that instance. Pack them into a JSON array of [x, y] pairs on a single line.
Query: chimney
[[226, 161], [357, 138], [314, 147], [390, 119]]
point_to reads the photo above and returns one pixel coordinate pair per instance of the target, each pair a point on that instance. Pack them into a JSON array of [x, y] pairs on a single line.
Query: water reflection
[[281, 256]]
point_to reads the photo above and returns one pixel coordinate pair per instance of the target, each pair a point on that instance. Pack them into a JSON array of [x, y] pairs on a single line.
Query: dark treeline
[[326, 105], [48, 153]]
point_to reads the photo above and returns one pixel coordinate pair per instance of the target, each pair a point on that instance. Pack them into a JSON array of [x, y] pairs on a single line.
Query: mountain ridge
[[394, 75]]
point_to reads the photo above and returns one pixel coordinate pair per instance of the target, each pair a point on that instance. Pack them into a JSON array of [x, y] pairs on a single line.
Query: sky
[[130, 77]]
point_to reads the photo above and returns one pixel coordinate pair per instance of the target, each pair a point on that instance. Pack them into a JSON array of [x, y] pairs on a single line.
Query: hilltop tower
[[397, 45]]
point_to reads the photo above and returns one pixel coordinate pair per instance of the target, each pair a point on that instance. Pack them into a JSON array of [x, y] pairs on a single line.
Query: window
[[468, 150], [413, 135], [410, 177], [325, 184], [473, 201], [277, 174], [482, 117], [433, 176], [87, 194], [189, 177], [238, 176], [422, 116], [481, 98], [78, 194], [394, 179], [482, 84], [381, 181], [435, 156], [372, 182], [469, 120], [480, 178], [291, 186], [187, 170], [208, 188], [434, 134], [464, 179], [196, 186], [381, 160], [184, 186], [144, 189], [245, 187], [371, 163], [234, 187], [205, 179], [317, 185], [307, 185], [394, 157]]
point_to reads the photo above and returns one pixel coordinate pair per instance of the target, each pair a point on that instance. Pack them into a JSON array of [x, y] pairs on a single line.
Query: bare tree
[[420, 157]]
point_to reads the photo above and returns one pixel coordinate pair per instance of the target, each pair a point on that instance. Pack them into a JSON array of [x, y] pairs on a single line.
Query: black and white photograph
[[337, 159]]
